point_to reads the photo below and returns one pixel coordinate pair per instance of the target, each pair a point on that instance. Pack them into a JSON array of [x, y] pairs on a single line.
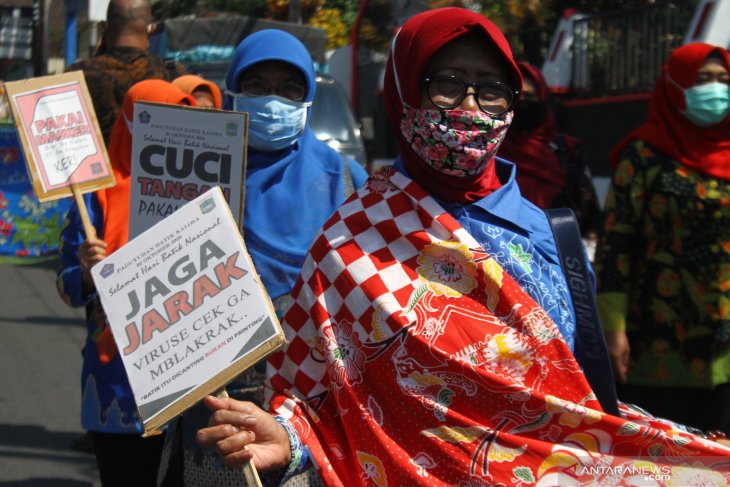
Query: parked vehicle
[[333, 121]]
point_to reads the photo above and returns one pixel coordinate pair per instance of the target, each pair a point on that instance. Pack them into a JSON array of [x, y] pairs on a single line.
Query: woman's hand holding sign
[[241, 432], [92, 251]]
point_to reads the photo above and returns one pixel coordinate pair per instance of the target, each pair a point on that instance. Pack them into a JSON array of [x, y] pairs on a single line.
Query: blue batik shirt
[[517, 234]]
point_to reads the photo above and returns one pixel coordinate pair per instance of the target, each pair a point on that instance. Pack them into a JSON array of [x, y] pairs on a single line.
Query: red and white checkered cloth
[[415, 359]]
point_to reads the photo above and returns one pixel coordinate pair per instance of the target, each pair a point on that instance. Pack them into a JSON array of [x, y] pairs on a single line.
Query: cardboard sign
[[179, 153], [60, 135], [187, 310]]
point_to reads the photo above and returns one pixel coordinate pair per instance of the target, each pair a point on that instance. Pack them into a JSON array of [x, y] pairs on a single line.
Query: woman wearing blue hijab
[[294, 182]]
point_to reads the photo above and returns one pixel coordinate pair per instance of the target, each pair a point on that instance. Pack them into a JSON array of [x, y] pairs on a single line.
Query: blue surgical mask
[[275, 123], [707, 104]]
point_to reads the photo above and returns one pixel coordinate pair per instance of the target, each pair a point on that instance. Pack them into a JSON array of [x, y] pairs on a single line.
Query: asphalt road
[[40, 366]]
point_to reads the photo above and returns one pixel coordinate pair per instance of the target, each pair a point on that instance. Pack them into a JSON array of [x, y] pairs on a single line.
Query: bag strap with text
[[590, 345]]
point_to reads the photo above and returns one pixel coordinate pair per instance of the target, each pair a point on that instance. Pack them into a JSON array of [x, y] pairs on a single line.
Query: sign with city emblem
[[178, 153], [186, 307]]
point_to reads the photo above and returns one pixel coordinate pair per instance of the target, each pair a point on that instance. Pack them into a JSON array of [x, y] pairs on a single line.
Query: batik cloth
[[663, 267], [415, 359]]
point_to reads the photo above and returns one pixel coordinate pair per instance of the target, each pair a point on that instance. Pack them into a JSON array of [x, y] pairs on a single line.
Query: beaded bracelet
[[296, 447]]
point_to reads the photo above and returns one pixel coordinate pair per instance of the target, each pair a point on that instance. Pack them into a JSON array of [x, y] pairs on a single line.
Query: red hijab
[[417, 41], [705, 149], [540, 173], [114, 201]]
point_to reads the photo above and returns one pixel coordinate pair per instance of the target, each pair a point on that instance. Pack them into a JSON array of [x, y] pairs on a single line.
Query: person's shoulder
[[570, 139], [568, 144], [639, 152], [537, 222], [358, 173], [169, 66], [77, 66], [524, 214], [83, 65], [100, 66], [154, 58], [531, 214]]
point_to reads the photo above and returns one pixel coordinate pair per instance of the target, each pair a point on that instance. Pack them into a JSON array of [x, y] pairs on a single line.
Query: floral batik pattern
[[666, 255], [414, 358]]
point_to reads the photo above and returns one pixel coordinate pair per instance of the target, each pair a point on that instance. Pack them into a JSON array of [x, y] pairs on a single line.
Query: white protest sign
[[187, 310], [179, 153], [60, 136], [68, 134]]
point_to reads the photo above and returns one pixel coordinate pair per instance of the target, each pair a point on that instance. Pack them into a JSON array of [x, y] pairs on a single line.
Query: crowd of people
[[433, 337]]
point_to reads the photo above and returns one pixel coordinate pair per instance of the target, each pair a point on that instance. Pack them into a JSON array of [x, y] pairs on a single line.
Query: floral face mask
[[454, 142]]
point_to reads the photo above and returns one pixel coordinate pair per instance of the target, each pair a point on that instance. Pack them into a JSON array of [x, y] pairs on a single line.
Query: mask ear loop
[[395, 70], [681, 90], [669, 78]]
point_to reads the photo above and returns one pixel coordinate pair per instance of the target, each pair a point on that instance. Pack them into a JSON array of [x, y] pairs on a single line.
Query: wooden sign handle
[[83, 212], [249, 470]]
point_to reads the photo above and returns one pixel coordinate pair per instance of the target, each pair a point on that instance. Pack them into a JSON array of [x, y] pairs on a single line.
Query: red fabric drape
[[436, 368]]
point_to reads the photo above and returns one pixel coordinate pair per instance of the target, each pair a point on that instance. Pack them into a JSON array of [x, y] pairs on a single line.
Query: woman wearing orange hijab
[[108, 409], [206, 93], [663, 265]]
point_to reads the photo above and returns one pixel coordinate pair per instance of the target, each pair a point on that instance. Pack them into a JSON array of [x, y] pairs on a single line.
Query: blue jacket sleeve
[[69, 281]]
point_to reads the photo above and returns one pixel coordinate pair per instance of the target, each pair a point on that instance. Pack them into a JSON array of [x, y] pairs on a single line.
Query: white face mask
[[275, 123]]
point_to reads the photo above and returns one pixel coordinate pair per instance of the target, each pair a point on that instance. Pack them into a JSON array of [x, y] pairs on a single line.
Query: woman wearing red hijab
[[664, 262], [425, 345], [108, 409], [551, 171]]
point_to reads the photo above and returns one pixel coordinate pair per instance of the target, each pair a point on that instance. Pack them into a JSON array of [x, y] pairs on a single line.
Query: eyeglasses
[[289, 89], [447, 92]]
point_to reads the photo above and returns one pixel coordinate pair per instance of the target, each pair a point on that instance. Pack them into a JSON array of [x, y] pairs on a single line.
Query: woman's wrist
[[296, 448]]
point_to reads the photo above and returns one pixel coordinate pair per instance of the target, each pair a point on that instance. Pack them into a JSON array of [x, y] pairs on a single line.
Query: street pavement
[[40, 367]]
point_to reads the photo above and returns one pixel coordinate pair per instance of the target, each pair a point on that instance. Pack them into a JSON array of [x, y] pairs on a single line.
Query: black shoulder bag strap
[[590, 345]]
